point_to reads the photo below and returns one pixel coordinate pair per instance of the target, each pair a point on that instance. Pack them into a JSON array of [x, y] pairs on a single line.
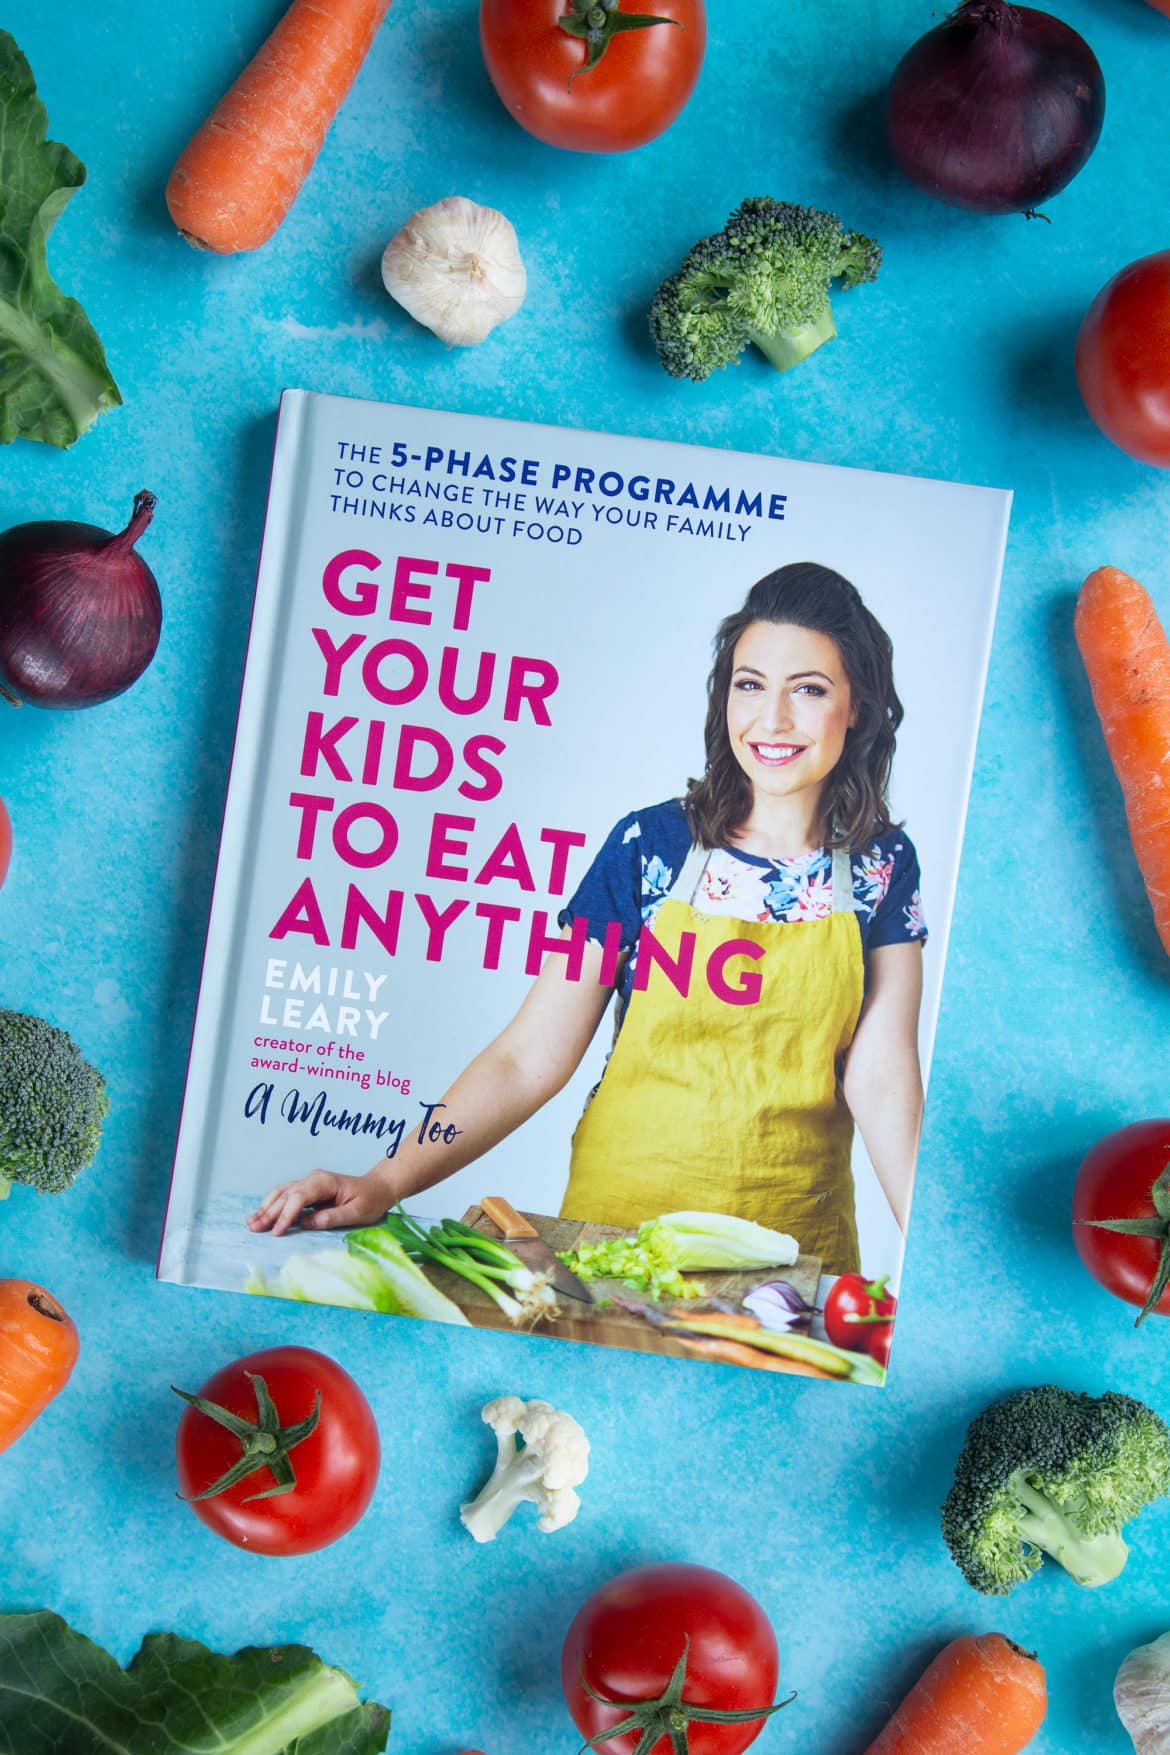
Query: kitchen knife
[[525, 1240]]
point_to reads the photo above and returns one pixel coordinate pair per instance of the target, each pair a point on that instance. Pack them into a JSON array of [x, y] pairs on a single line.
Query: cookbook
[[586, 873]]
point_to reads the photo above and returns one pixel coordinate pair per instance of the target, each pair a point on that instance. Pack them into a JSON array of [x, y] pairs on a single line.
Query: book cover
[[586, 874]]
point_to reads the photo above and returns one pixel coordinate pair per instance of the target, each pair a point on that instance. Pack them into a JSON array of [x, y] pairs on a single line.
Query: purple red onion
[[80, 611], [995, 109], [777, 1304]]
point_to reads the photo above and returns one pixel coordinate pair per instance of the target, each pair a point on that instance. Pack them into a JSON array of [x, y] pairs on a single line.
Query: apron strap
[[689, 873], [844, 901]]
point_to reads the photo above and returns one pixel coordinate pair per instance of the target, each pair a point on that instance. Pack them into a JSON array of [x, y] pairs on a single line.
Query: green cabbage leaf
[[54, 380], [59, 1691]]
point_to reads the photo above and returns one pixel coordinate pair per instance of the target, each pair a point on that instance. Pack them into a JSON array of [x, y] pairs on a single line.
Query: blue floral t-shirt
[[643, 854]]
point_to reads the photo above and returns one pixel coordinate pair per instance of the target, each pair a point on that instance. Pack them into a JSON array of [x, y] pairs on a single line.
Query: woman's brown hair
[[855, 806]]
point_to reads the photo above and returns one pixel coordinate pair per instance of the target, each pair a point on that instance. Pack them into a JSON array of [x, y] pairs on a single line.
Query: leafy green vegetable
[[59, 1691], [663, 1249], [370, 1271], [54, 380], [720, 1240]]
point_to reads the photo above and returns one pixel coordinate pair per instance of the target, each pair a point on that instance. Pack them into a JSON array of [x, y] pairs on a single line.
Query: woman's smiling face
[[788, 708]]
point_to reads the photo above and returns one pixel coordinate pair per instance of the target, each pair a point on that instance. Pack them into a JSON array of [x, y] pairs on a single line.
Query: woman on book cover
[[800, 896]]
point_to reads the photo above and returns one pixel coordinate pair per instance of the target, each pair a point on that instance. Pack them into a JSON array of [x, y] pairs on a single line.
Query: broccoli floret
[[1051, 1471], [765, 278], [52, 1105]]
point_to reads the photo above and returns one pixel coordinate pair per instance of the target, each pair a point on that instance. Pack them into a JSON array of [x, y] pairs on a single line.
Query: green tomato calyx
[[597, 22], [1157, 1228], [669, 1715], [266, 1442]]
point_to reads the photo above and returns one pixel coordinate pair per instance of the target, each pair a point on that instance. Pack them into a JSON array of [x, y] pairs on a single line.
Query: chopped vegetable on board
[[522, 1296], [655, 1259]]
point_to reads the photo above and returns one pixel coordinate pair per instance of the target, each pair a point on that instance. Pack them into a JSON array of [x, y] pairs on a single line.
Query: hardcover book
[[586, 874]]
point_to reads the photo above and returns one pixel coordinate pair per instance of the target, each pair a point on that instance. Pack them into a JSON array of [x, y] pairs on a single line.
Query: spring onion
[[483, 1261]]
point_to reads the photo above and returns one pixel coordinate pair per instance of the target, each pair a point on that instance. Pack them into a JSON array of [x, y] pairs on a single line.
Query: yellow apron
[[729, 1108]]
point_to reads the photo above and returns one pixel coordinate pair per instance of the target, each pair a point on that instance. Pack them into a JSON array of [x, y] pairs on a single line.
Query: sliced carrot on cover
[[242, 170], [1127, 660], [982, 1695], [738, 1353]]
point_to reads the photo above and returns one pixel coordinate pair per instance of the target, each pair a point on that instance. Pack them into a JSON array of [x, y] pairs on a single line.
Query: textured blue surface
[[1055, 1012]]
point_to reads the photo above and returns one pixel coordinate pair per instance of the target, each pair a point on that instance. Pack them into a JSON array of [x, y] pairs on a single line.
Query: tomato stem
[[266, 1442], [669, 1715], [597, 22]]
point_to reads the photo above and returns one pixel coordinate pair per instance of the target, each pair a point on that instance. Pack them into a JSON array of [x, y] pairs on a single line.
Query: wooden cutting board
[[609, 1326]]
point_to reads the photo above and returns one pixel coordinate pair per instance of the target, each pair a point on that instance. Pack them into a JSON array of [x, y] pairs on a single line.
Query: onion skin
[[80, 611], [996, 109]]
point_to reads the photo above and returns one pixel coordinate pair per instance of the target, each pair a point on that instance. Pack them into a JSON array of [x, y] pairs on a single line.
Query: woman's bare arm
[[883, 1077], [531, 1059]]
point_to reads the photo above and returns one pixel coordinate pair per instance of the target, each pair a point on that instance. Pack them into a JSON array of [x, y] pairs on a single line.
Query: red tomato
[[633, 93], [336, 1466], [5, 841], [1123, 359], [853, 1297], [1116, 1181], [626, 1640]]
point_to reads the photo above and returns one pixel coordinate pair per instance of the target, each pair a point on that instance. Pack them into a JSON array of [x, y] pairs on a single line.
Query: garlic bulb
[[1141, 1694], [456, 267]]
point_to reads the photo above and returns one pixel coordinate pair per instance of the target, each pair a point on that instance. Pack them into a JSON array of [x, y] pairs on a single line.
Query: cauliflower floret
[[544, 1469]]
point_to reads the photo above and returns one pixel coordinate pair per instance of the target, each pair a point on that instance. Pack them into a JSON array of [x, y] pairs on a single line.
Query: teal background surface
[[957, 363]]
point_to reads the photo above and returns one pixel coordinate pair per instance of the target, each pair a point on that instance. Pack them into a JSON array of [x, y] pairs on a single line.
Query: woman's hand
[[322, 1201], [531, 1059]]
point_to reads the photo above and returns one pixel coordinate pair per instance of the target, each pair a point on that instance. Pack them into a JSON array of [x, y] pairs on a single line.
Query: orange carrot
[[982, 1695], [241, 171], [1127, 659], [737, 1353]]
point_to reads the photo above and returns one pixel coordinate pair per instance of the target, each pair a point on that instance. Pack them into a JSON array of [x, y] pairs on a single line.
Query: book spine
[[199, 1118]]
